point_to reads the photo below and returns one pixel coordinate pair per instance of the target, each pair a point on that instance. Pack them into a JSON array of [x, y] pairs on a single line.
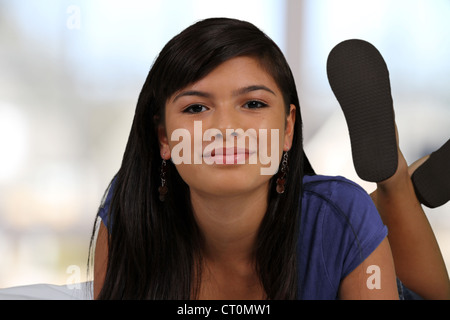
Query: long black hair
[[155, 247]]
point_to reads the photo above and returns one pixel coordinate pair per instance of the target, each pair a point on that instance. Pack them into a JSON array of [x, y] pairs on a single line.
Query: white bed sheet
[[81, 291]]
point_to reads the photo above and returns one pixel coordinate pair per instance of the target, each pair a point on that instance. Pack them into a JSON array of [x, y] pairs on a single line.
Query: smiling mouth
[[229, 155], [228, 151]]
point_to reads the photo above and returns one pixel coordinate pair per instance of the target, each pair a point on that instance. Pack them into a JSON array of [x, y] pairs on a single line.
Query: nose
[[226, 119]]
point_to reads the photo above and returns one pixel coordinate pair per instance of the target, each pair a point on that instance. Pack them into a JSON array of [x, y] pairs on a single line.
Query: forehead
[[238, 72]]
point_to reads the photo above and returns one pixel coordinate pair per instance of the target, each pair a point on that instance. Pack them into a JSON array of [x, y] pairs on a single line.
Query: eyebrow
[[235, 93], [192, 93]]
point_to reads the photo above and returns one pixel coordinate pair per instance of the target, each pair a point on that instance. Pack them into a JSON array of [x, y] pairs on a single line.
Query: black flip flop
[[432, 179], [359, 78]]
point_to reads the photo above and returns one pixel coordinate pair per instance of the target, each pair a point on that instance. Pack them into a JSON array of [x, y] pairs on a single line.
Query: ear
[[289, 130], [164, 148]]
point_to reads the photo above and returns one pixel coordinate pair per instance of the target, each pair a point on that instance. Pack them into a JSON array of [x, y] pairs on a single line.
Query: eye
[[195, 108], [255, 104]]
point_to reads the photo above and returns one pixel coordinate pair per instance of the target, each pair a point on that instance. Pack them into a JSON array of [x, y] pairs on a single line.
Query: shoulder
[[338, 195], [340, 202], [340, 227], [332, 187], [105, 205]]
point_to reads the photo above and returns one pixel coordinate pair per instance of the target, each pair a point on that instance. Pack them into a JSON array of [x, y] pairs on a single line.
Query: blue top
[[340, 227]]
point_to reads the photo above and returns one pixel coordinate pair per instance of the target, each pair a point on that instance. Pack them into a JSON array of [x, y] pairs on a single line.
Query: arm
[[355, 285], [100, 259]]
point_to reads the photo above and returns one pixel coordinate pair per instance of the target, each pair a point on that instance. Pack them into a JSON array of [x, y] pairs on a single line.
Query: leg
[[417, 257], [359, 78]]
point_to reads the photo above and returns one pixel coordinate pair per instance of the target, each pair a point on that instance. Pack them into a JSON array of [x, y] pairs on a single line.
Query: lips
[[229, 156], [228, 151]]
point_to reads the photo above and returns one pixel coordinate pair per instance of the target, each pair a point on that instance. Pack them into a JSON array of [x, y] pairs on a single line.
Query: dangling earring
[[163, 187], [282, 174]]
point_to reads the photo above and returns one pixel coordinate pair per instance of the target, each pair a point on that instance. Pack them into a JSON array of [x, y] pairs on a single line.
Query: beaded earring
[[282, 174], [163, 187]]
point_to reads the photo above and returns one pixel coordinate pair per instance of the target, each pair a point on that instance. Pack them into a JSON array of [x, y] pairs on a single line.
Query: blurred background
[[71, 72]]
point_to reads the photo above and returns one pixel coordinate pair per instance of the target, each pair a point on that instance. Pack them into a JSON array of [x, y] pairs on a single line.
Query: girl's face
[[226, 132]]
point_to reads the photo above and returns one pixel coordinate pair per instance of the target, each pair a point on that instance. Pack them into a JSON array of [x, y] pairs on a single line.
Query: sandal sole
[[432, 179], [359, 78]]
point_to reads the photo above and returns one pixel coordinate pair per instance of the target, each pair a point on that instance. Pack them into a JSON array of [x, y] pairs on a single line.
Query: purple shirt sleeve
[[340, 228]]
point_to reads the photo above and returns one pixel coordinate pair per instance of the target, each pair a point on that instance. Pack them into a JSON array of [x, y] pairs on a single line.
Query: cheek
[[271, 144], [178, 131], [189, 173], [274, 129]]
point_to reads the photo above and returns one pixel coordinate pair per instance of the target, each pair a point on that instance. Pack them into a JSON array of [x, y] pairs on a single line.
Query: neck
[[230, 224]]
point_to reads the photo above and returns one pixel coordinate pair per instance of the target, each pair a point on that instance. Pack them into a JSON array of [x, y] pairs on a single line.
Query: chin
[[229, 182]]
